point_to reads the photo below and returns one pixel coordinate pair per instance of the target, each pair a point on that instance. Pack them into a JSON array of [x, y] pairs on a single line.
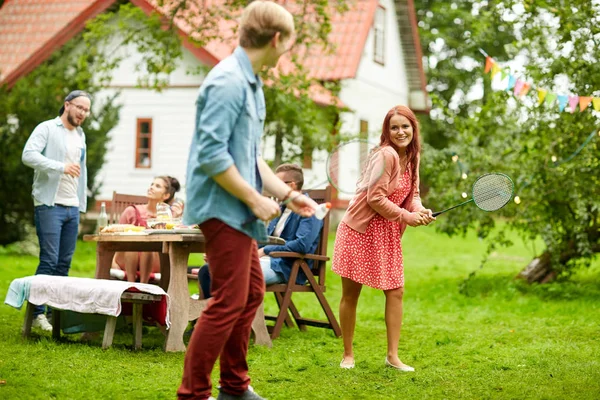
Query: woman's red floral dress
[[373, 258]]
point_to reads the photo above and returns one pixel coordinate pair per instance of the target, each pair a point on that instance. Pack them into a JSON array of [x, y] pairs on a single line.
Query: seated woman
[[162, 190]]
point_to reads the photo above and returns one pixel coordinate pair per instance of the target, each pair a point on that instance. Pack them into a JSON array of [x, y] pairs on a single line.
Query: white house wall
[[376, 88], [172, 112], [370, 95]]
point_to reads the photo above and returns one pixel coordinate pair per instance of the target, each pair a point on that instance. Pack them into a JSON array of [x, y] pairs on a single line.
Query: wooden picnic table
[[174, 250]]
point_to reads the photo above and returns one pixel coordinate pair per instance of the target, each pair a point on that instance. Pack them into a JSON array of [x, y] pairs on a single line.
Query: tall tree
[[551, 155]]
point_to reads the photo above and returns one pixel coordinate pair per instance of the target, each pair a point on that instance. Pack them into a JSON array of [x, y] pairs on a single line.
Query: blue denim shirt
[[45, 152], [230, 116]]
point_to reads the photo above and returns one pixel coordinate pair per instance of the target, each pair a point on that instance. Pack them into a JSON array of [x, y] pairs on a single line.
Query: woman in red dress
[[367, 248]]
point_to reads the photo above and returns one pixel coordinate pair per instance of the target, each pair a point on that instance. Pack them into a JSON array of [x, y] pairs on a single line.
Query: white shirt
[[281, 223], [67, 187], [278, 229]]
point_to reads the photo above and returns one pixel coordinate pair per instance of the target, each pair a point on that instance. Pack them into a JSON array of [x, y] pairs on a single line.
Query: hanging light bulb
[[554, 158], [464, 195], [517, 200], [455, 158], [464, 176]]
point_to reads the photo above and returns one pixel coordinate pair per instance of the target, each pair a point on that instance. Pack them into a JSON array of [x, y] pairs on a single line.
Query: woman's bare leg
[[350, 294], [131, 261], [393, 323], [146, 265]]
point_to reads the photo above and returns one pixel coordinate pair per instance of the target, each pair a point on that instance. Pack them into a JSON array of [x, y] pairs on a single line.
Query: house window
[[143, 143], [379, 36], [364, 135]]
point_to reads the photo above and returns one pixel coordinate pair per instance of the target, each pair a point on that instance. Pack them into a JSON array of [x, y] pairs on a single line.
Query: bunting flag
[[584, 102], [550, 97], [488, 64], [563, 99], [521, 88], [518, 87], [573, 101], [495, 70], [511, 82], [541, 95]]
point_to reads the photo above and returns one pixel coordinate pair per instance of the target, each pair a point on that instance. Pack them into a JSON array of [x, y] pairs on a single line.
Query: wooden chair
[[120, 202], [316, 281]]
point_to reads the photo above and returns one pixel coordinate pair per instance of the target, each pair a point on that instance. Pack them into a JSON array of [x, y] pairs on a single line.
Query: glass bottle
[[102, 217]]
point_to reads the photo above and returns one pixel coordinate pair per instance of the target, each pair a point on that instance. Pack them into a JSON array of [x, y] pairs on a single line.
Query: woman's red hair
[[414, 148]]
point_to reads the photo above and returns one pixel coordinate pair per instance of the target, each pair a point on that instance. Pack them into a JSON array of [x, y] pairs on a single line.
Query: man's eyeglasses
[[81, 109]]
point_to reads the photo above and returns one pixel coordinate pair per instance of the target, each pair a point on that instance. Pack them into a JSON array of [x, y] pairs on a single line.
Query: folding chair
[[120, 202], [316, 281]]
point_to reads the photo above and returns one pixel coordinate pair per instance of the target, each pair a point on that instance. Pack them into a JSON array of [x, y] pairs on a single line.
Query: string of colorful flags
[[520, 88]]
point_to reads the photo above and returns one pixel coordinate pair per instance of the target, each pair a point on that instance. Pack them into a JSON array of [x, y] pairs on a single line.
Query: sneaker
[[248, 395], [41, 322]]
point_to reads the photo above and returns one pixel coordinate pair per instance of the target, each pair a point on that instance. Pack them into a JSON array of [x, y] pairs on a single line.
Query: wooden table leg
[[103, 261], [28, 320], [165, 269], [56, 314], [261, 333], [137, 325], [179, 296], [109, 332]]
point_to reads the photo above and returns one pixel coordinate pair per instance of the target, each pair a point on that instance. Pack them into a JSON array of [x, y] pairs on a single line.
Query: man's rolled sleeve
[[224, 99]]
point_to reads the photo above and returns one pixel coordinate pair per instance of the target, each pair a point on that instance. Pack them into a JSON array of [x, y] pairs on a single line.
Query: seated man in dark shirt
[[301, 235]]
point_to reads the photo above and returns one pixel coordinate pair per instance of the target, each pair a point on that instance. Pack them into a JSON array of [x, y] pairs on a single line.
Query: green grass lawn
[[504, 340]]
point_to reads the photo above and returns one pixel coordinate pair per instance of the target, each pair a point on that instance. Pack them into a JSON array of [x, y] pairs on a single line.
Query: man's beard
[[72, 120]]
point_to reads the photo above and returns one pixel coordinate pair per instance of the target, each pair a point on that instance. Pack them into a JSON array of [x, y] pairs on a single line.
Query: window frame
[[379, 32], [139, 136]]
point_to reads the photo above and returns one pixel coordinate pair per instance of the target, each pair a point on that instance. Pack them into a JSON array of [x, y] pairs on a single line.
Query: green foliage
[[110, 37], [500, 133], [451, 34]]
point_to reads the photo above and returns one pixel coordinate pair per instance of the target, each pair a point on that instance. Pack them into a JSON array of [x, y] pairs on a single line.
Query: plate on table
[[160, 231], [187, 230]]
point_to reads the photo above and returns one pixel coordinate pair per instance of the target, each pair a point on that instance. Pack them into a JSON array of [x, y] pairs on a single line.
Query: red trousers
[[223, 330]]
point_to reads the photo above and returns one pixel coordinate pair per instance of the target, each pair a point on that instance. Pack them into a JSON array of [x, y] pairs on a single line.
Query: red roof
[[27, 27], [30, 30], [348, 36]]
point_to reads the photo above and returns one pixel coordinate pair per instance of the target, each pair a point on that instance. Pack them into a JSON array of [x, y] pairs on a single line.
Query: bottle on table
[[102, 221]]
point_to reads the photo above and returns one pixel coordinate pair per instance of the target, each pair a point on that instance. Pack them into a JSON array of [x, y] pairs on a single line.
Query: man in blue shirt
[[225, 178], [301, 235], [56, 152]]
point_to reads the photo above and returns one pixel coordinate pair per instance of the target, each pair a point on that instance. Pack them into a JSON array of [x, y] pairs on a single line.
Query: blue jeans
[[56, 229], [271, 277]]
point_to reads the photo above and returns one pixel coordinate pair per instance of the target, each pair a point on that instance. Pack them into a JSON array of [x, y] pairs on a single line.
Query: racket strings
[[492, 192], [353, 167]]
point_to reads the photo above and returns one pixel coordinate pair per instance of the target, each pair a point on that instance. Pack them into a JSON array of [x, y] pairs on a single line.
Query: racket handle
[[435, 214]]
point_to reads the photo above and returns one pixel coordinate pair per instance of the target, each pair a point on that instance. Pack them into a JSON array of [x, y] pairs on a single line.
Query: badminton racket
[[490, 192]]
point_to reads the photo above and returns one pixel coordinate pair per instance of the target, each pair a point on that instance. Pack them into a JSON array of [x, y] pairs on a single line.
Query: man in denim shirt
[[225, 178], [56, 151]]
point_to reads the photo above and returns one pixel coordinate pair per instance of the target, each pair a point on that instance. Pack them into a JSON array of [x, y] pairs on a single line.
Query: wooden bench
[[136, 299]]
